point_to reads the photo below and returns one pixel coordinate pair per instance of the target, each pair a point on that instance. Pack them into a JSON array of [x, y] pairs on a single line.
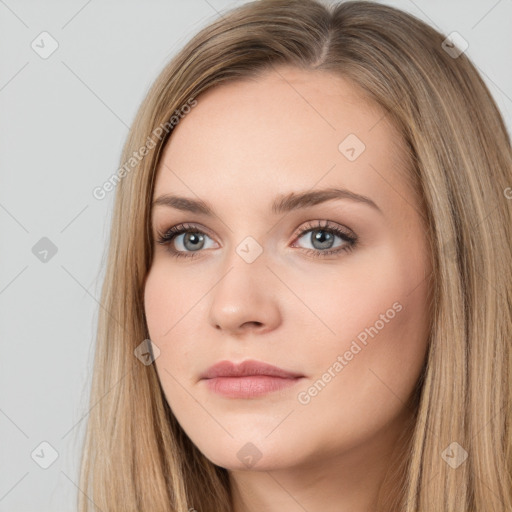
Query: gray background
[[63, 122]]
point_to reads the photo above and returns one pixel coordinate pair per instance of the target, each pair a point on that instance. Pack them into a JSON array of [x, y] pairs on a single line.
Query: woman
[[307, 303]]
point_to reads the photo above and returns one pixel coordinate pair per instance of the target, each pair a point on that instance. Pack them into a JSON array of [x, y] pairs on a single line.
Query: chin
[[251, 456]]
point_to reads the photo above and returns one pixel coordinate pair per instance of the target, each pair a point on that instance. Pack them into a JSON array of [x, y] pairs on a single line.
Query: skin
[[244, 144]]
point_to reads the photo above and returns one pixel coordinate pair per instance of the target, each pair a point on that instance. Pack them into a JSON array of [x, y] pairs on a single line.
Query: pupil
[[325, 238], [194, 238]]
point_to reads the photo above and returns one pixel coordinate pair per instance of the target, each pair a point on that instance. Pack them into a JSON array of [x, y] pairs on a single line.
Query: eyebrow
[[282, 204]]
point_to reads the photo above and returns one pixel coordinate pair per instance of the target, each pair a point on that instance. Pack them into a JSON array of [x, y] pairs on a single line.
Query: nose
[[245, 299]]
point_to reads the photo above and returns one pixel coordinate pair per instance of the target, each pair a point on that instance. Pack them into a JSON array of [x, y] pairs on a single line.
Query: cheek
[[157, 303], [379, 288], [167, 302], [169, 296], [168, 306], [176, 309], [379, 314]]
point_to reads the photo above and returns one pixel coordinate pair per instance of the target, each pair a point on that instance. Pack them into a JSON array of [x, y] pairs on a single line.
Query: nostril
[[252, 324]]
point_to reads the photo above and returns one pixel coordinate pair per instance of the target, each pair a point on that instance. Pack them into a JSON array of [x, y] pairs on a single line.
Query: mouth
[[248, 379]]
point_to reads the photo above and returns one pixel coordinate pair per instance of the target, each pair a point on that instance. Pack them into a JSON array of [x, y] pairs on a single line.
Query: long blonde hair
[[136, 457]]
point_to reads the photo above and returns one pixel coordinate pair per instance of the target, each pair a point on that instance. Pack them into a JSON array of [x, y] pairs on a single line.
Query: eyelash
[[168, 236]]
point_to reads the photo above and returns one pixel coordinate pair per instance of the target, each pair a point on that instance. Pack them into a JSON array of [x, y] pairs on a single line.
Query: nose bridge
[[245, 272], [244, 295]]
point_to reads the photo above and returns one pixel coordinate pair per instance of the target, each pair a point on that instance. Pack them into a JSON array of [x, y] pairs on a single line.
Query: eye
[[322, 238], [193, 240]]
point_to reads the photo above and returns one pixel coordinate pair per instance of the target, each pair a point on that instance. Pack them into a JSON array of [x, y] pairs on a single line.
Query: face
[[330, 287]]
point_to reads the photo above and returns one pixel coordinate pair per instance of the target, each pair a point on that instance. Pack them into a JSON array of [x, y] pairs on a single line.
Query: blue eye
[[322, 236], [192, 241]]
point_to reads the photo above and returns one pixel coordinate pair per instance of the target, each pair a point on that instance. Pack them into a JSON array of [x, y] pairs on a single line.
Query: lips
[[246, 369], [249, 379]]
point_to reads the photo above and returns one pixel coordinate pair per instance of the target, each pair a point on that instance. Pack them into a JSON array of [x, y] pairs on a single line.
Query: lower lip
[[250, 386]]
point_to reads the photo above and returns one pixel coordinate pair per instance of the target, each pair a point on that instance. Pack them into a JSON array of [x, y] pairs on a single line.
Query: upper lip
[[245, 369]]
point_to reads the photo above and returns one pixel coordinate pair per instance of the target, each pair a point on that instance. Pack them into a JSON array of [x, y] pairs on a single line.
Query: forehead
[[288, 129]]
